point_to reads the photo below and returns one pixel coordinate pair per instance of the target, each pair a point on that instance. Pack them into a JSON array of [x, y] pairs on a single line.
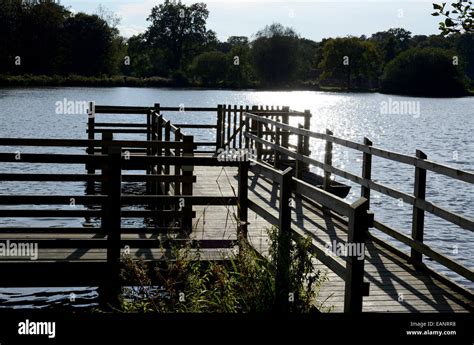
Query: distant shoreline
[[127, 81]]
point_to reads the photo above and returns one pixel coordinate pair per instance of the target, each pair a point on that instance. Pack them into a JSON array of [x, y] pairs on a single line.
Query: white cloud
[[128, 31], [141, 9]]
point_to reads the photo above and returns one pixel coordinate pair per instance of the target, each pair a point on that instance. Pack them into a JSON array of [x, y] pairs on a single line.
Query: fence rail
[[168, 157], [255, 139], [358, 220]]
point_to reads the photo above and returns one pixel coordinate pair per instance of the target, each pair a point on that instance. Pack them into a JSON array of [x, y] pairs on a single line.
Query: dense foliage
[[243, 283], [44, 42], [423, 72], [46, 38], [459, 17]]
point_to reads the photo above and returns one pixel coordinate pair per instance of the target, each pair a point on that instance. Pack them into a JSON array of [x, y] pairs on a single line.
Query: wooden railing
[[231, 121], [112, 162], [417, 200], [149, 115], [358, 220], [112, 205], [228, 125]]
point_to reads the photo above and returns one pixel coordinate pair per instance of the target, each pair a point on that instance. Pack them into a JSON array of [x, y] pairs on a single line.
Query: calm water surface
[[443, 129]]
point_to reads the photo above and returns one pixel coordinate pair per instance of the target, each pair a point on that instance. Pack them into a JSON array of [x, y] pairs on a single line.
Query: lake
[[442, 128]]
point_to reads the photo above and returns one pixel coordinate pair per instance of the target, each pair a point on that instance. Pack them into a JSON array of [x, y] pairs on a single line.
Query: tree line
[[46, 38]]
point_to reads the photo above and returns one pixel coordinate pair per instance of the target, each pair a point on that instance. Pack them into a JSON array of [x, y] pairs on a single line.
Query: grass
[[76, 80], [244, 283], [29, 80]]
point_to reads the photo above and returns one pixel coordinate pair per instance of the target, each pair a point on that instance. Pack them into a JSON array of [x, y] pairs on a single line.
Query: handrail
[[417, 200], [358, 222], [438, 168], [453, 217], [90, 142]]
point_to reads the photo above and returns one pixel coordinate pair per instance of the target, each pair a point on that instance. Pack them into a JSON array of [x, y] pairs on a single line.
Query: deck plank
[[395, 285]]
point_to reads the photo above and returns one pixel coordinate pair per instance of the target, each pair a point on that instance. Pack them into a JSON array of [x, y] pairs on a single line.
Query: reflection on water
[[442, 129]]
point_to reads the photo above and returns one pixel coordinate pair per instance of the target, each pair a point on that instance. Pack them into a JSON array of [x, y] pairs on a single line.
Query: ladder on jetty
[[199, 191]]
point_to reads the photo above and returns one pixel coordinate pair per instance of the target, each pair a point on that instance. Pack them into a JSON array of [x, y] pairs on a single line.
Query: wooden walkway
[[178, 170], [395, 285]]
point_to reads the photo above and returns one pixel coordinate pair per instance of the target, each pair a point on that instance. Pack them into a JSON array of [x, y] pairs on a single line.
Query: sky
[[312, 19]]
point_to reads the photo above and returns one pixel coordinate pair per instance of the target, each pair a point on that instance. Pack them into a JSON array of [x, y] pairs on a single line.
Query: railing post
[[228, 109], [355, 288], [285, 118], [219, 127], [243, 200], [90, 133], [154, 136], [106, 136], [111, 225], [257, 144], [299, 151], [327, 161], [234, 132], [159, 151], [253, 125], [167, 153], [148, 124], [154, 124], [149, 150], [241, 123], [276, 153], [187, 188], [307, 126], [247, 131], [177, 168], [418, 220], [366, 171], [282, 282]]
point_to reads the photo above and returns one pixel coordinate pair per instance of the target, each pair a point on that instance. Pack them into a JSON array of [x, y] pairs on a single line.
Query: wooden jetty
[[206, 193]]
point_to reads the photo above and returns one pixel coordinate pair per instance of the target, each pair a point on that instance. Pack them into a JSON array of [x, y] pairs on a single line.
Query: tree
[[11, 15], [424, 72], [350, 59], [307, 59], [465, 48], [391, 42], [460, 18], [239, 71], [238, 41], [89, 45], [41, 37], [275, 54], [210, 68], [179, 31], [145, 61], [48, 39]]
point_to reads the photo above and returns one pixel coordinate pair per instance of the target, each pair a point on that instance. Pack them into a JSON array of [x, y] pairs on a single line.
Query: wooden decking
[[395, 286], [207, 197]]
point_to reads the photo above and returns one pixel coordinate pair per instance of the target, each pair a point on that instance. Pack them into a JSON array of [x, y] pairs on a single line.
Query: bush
[[77, 80], [275, 55], [179, 78], [244, 283], [210, 68], [424, 72]]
